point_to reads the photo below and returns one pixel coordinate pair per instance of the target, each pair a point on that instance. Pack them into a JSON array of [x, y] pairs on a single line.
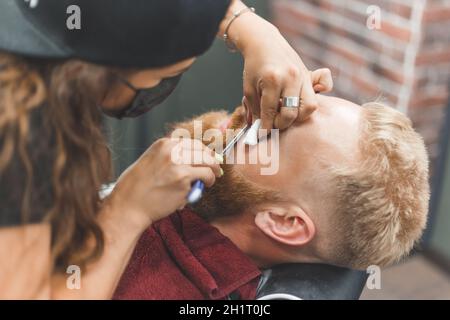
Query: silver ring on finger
[[291, 102]]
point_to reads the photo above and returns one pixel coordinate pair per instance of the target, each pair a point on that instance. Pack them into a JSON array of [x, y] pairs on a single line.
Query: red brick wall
[[405, 62]]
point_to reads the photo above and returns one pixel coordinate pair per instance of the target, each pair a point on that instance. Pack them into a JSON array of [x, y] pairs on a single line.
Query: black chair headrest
[[311, 282]]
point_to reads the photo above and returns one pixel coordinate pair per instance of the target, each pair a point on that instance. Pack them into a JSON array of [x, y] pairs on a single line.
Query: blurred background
[[396, 51]]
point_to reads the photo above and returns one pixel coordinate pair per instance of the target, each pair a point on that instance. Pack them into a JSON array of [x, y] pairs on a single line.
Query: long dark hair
[[53, 154]]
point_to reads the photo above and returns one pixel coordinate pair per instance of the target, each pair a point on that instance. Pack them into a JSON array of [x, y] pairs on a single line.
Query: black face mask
[[145, 99]]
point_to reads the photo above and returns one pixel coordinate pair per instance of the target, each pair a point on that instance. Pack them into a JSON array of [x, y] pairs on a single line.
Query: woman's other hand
[[157, 184]]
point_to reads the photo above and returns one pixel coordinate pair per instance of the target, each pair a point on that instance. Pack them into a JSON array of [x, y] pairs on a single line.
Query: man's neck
[[262, 250], [241, 239]]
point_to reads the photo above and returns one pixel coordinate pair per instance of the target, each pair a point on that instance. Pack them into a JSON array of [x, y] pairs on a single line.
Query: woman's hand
[[322, 82], [158, 182], [272, 70]]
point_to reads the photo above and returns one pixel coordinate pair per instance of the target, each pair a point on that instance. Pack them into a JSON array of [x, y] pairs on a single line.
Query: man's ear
[[288, 224]]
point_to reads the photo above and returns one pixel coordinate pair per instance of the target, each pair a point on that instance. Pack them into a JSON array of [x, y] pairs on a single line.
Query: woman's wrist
[[251, 32], [122, 218], [247, 30]]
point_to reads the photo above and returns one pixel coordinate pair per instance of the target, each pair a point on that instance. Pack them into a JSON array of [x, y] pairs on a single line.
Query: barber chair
[[295, 281]]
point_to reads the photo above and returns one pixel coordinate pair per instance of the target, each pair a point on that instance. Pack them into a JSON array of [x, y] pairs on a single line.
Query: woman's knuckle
[[212, 179], [269, 112], [273, 76], [293, 72], [167, 144], [313, 105], [248, 91], [180, 174], [289, 116], [158, 144], [310, 108]]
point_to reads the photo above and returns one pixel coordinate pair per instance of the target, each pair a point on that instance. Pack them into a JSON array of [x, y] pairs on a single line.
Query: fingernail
[[221, 172], [219, 158]]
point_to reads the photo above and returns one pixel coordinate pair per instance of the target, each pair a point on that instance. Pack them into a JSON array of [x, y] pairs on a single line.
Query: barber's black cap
[[123, 33]]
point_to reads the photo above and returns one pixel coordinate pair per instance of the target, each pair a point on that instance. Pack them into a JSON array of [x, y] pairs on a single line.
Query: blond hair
[[382, 203]]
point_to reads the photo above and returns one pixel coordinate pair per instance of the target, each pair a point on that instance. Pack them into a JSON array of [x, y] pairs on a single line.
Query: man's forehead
[[336, 121], [331, 134]]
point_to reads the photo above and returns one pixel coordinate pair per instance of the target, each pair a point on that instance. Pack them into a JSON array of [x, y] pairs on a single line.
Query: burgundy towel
[[183, 257]]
